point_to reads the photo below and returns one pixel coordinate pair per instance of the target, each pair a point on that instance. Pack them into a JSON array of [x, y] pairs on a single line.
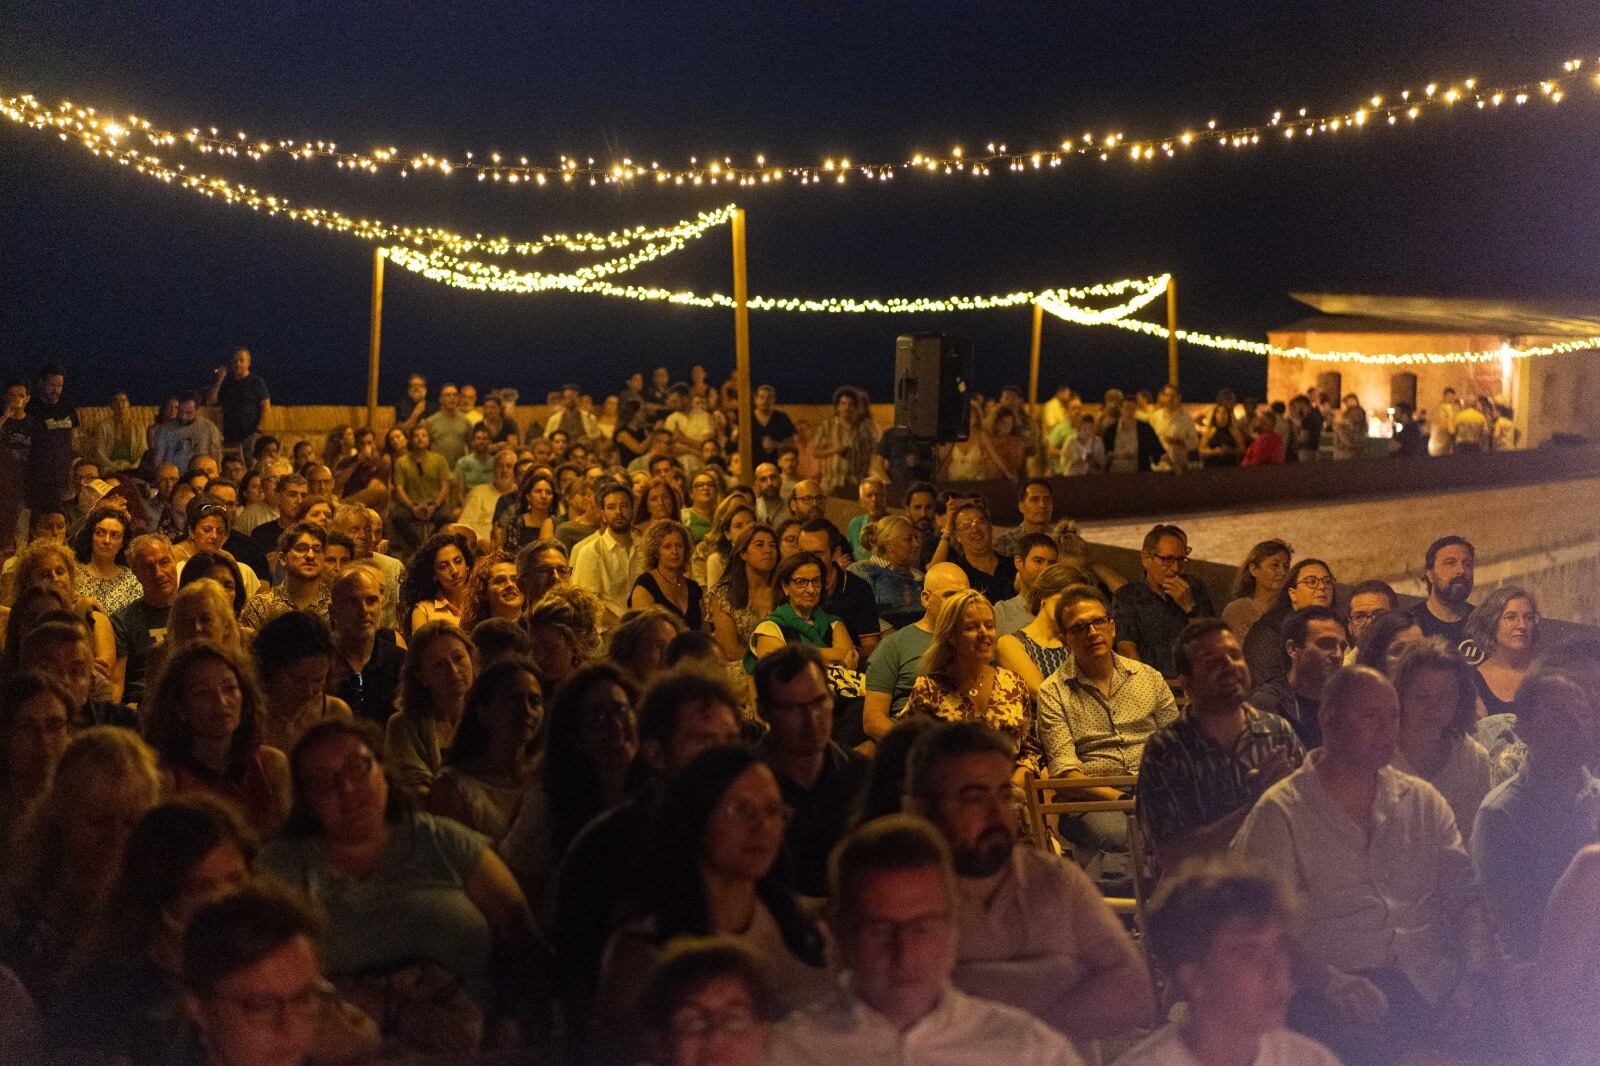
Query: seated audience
[[531, 515], [225, 571], [301, 548], [665, 582], [433, 691], [492, 591], [608, 562], [1261, 577], [1530, 827], [1438, 711], [639, 644], [1310, 584], [1394, 941], [1151, 613], [1368, 600], [799, 617], [1200, 776], [489, 764], [1563, 998], [1035, 651], [35, 725], [1035, 553], [734, 515], [1315, 644], [846, 596], [204, 720], [821, 782], [897, 662], [498, 639], [294, 658], [1386, 639], [101, 549], [1222, 936], [745, 595], [989, 572], [893, 913], [367, 659], [541, 566], [58, 648], [707, 997], [1502, 634], [960, 684], [1448, 570], [1033, 930], [435, 585], [890, 568]]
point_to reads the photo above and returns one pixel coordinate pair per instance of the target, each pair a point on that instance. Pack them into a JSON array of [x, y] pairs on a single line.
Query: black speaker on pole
[[931, 373]]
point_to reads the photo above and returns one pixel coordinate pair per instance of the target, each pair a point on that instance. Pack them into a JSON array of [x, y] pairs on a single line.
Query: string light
[[580, 172], [1239, 344]]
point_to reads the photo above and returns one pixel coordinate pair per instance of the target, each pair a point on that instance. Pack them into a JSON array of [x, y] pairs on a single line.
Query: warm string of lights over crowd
[[107, 132]]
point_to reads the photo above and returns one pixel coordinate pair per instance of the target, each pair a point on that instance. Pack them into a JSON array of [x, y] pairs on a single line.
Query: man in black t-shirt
[[243, 398], [1448, 570], [771, 428], [50, 462]]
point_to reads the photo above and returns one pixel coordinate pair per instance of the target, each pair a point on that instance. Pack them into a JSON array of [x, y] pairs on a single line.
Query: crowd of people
[[526, 739]]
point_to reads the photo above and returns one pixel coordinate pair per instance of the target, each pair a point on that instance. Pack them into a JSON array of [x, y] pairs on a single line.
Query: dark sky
[[136, 284]]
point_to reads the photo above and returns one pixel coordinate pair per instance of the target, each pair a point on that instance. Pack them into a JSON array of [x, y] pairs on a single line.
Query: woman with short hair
[[223, 569], [704, 989], [799, 617], [1438, 710], [1502, 640]]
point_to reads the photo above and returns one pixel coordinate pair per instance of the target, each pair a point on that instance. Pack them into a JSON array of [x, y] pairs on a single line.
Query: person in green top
[[421, 491], [873, 492], [705, 492], [798, 618]]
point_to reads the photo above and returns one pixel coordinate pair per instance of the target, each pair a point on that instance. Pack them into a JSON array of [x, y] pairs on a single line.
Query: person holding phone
[[1200, 775]]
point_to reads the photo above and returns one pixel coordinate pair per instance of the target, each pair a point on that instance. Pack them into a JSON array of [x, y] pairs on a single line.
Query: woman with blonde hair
[[492, 591], [890, 568], [734, 515], [958, 684], [54, 564], [665, 582], [104, 783], [201, 614], [203, 718], [1035, 651]]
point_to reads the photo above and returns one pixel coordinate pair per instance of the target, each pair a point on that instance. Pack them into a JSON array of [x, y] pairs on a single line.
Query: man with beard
[[1201, 775], [1033, 930], [771, 507], [1315, 640], [607, 564], [922, 507], [809, 500], [1448, 571]]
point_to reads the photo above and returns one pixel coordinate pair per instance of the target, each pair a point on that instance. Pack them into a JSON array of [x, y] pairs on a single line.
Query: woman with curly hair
[[101, 549], [665, 581], [734, 515], [204, 721], [492, 591], [435, 584], [639, 644], [532, 515], [50, 564]]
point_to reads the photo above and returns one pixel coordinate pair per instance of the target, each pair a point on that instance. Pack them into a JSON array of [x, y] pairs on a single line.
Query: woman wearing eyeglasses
[[799, 618], [717, 836], [1310, 583], [1502, 637], [958, 684], [405, 892]]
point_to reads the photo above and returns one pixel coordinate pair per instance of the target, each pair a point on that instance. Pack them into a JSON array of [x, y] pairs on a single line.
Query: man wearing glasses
[[1151, 613], [303, 589]]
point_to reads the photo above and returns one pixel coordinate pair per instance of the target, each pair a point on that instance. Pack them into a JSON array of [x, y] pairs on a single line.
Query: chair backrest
[[1048, 799]]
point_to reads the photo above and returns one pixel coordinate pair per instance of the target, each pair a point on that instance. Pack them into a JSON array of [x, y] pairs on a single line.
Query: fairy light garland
[[1404, 107]]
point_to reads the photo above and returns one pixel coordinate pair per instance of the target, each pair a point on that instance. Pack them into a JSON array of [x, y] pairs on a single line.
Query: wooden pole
[[377, 332], [741, 351], [1033, 361], [1172, 332]]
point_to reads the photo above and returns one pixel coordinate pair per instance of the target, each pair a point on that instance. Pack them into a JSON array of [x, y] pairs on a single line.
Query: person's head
[[104, 782], [253, 984], [536, 492], [693, 647], [681, 714], [61, 651], [922, 504], [808, 501], [438, 671], [1265, 569], [707, 1003], [492, 590], [1036, 552], [35, 726], [592, 734], [51, 381], [799, 581], [1164, 554], [203, 611], [1044, 591], [1083, 618], [1360, 719], [438, 570], [941, 581], [964, 637], [497, 639], [895, 539], [892, 898], [1559, 721], [502, 719], [1310, 584], [103, 537], [542, 566], [768, 481], [207, 524], [221, 568], [959, 778], [205, 696], [1316, 641], [793, 698], [1368, 600], [1448, 570], [340, 553], [1386, 639], [873, 493], [293, 655], [972, 529], [301, 547], [1437, 694], [639, 644], [1211, 662], [150, 559], [1507, 621], [822, 538], [291, 496], [1035, 502], [615, 501], [667, 547], [47, 563], [1221, 934], [319, 480]]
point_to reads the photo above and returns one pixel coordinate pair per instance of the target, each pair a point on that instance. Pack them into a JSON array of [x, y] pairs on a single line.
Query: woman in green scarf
[[798, 618]]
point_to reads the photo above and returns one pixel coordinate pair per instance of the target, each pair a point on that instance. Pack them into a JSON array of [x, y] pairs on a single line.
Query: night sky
[[134, 284]]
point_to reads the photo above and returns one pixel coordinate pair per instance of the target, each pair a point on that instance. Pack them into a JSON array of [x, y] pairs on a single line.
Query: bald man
[[809, 500], [897, 661], [771, 507]]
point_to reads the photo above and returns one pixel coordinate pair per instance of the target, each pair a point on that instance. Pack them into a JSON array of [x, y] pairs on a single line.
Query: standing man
[[1200, 775], [17, 431], [1151, 613], [607, 563], [897, 663], [1315, 639], [1034, 554], [142, 624], [1442, 425], [1179, 437], [244, 400], [893, 910], [1033, 930], [821, 781], [1037, 504], [447, 427], [50, 462], [772, 429], [1448, 571], [191, 436]]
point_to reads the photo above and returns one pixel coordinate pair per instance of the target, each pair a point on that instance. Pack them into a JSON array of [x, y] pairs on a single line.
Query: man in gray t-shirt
[[447, 428], [897, 660]]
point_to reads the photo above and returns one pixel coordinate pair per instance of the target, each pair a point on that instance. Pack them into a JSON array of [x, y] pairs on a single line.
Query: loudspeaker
[[931, 372]]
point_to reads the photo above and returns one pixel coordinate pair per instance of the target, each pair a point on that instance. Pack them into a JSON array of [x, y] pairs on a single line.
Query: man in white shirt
[[892, 911], [1179, 435], [1221, 933], [571, 418], [1395, 946], [1034, 931], [607, 564]]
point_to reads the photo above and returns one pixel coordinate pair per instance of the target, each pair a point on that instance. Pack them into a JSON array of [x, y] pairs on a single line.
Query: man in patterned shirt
[[1201, 775]]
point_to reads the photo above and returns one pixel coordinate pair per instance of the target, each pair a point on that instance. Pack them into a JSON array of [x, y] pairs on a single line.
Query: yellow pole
[[741, 351], [1033, 361], [377, 331], [1172, 332]]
